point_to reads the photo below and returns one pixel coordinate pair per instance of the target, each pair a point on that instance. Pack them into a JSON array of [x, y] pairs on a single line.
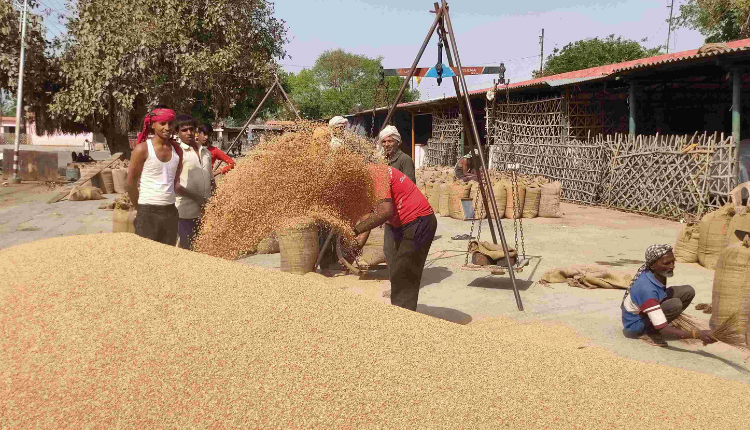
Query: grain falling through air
[[296, 176], [153, 336]]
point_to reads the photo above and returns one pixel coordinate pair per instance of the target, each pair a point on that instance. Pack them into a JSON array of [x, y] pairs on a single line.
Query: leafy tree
[[594, 52], [718, 20], [7, 105], [125, 56], [343, 83]]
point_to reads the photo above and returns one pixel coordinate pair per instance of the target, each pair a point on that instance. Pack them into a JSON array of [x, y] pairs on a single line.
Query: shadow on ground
[[500, 282], [736, 367], [446, 314], [434, 275]]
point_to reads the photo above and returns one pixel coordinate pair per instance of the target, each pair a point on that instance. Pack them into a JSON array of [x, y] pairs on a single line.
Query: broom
[[728, 332]]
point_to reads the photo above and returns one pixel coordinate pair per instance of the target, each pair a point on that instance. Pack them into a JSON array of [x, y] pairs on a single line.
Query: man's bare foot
[[654, 340]]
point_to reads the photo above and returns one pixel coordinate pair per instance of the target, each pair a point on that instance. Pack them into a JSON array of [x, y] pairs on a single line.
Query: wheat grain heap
[[145, 338], [295, 176]]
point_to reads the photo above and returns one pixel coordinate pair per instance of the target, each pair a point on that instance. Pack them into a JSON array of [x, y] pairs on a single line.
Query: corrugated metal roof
[[600, 72]]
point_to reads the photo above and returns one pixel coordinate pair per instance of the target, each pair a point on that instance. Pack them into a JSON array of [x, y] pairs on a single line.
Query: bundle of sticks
[[728, 332]]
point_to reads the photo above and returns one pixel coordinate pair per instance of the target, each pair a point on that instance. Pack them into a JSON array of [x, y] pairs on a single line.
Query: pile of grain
[[292, 176], [142, 342]]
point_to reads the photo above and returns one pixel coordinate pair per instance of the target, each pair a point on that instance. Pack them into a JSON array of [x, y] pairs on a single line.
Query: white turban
[[338, 121], [389, 130]]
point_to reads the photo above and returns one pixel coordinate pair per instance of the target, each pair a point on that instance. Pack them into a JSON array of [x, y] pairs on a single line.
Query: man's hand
[[706, 336]]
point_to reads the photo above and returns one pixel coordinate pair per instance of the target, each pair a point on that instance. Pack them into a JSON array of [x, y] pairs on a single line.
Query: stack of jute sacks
[[535, 196]]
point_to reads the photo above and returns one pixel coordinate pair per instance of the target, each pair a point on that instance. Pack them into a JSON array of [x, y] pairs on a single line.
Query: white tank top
[[157, 179]]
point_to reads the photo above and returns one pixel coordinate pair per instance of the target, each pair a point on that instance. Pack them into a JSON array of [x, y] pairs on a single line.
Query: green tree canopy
[[718, 20], [341, 83], [125, 56], [594, 52]]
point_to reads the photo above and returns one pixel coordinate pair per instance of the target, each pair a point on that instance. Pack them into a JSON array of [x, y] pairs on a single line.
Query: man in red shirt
[[410, 226], [202, 135]]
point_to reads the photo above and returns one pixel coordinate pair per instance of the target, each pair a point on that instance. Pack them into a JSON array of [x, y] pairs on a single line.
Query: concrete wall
[[32, 165], [419, 156], [59, 139]]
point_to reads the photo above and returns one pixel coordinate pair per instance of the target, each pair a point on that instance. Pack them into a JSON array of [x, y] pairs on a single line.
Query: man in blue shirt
[[649, 306]]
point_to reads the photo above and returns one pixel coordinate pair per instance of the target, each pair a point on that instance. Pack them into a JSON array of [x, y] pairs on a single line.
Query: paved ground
[[584, 235]]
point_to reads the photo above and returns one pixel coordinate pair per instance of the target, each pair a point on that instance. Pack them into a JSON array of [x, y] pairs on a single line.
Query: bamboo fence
[[443, 145]]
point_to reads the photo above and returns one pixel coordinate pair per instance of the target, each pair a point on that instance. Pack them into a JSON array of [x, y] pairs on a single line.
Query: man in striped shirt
[[649, 306]]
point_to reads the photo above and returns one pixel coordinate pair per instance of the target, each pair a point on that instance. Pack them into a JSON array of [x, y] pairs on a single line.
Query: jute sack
[[123, 220], [686, 248], [479, 211], [713, 235], [445, 200], [531, 202], [500, 191], [108, 181], [459, 190], [433, 197], [549, 202], [511, 211], [96, 181], [85, 193], [738, 222], [120, 179], [731, 284]]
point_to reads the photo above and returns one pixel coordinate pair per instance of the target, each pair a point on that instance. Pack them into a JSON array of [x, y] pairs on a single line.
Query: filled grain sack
[[499, 188], [123, 220], [738, 222], [686, 248], [549, 202], [731, 283], [531, 202], [96, 181], [713, 235], [85, 192], [458, 191], [108, 181], [445, 200], [433, 197], [514, 201], [476, 197], [120, 179]]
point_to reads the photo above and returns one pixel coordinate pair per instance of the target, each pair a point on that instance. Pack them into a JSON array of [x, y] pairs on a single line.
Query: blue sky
[[487, 32]]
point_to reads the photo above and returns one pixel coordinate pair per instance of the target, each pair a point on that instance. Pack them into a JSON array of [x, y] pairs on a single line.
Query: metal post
[[541, 54], [736, 109], [669, 33], [477, 143], [19, 103], [413, 143], [631, 102], [468, 137], [438, 16]]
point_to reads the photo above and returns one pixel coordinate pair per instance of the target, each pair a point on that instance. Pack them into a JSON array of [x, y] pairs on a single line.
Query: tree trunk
[[116, 131]]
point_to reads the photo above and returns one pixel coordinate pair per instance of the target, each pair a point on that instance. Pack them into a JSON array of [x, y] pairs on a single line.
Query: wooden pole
[[631, 102], [413, 143], [736, 109]]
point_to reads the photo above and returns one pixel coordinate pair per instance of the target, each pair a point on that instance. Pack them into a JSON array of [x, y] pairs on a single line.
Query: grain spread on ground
[[293, 176], [145, 339]]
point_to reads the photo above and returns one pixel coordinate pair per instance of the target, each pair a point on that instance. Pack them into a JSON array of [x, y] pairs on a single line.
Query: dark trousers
[[157, 223], [406, 250], [187, 229], [678, 299]]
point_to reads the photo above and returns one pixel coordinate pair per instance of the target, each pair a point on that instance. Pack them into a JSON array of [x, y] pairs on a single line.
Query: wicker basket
[[299, 249]]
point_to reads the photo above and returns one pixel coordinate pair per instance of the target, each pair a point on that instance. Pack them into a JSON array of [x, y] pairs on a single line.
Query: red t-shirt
[[391, 184], [218, 154]]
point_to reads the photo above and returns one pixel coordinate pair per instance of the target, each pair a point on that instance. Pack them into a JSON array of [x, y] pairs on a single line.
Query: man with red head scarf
[[153, 175]]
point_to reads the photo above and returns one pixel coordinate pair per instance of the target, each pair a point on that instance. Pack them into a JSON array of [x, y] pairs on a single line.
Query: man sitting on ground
[[649, 306], [464, 169]]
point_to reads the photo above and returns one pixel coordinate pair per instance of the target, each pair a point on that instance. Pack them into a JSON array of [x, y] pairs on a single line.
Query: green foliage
[[341, 83], [594, 52], [718, 20], [125, 56], [7, 105]]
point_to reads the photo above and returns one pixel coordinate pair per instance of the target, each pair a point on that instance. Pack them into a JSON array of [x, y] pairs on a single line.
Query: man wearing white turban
[[390, 139], [337, 124]]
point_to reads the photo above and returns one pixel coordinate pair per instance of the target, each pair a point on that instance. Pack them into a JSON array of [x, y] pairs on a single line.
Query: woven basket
[[299, 249], [731, 283]]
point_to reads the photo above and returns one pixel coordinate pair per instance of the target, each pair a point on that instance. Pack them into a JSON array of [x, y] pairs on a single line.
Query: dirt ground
[[585, 235]]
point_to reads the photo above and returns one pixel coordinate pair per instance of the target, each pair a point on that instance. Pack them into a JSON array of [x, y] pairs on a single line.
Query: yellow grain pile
[[147, 339], [294, 176]]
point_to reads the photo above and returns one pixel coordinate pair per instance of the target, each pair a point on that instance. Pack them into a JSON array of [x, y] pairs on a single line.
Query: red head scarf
[[158, 115]]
